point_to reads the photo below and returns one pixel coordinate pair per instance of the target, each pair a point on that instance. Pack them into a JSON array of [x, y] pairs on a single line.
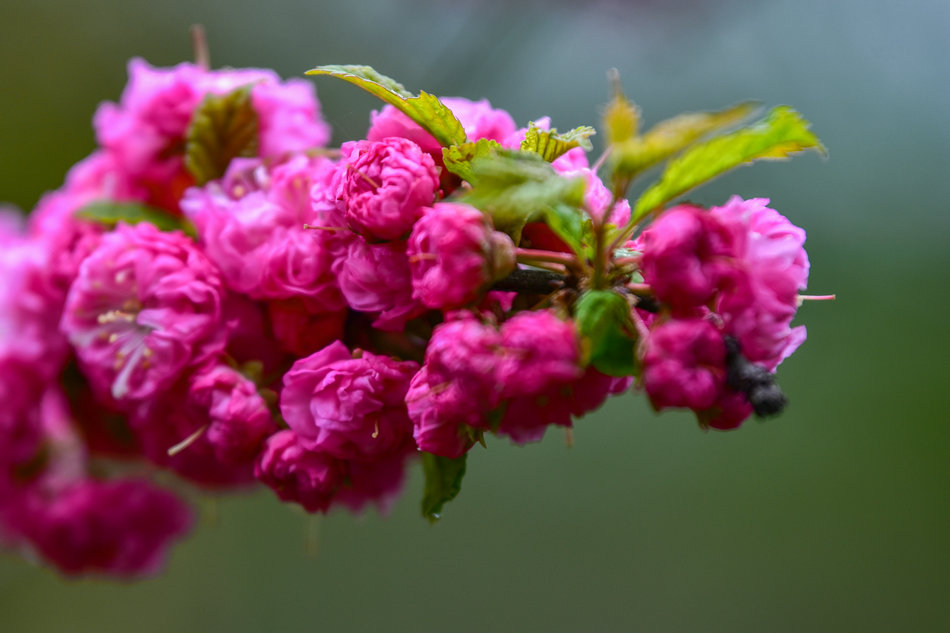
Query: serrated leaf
[[443, 478], [603, 319], [458, 158], [223, 127], [673, 135], [518, 187], [108, 213], [573, 226], [425, 109], [550, 145], [782, 133]]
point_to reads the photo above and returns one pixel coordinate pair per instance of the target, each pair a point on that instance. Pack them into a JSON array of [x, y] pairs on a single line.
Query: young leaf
[[222, 128], [550, 145], [622, 117], [572, 225], [109, 214], [782, 133], [603, 319], [426, 109], [443, 483], [517, 187], [458, 158], [673, 135]]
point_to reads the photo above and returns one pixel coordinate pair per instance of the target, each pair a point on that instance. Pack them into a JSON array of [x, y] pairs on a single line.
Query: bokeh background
[[834, 517]]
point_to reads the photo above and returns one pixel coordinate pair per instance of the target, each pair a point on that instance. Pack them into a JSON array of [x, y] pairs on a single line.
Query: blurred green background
[[833, 517]]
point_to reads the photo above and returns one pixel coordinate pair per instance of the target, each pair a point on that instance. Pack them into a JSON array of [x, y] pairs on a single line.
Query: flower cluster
[[257, 307]]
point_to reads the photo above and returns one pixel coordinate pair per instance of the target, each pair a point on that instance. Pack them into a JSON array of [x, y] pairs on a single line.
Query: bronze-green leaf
[[109, 213], [458, 158], [443, 478], [425, 109], [223, 127]]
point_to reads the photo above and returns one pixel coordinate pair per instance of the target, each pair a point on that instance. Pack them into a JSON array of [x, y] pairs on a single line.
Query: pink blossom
[[376, 278], [729, 411], [378, 480], [122, 527], [687, 257], [346, 407], [454, 254], [145, 306], [457, 386], [297, 474], [478, 119], [684, 364], [759, 307], [239, 419], [251, 225], [384, 185], [539, 350], [147, 128]]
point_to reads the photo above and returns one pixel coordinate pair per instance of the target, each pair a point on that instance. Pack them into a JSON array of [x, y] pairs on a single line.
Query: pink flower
[[539, 350], [478, 119], [384, 185], [297, 474], [122, 527], [758, 309], [346, 407], [145, 306], [375, 278], [687, 257], [251, 225], [684, 364], [454, 254], [457, 386], [301, 332], [239, 417], [378, 480], [147, 128]]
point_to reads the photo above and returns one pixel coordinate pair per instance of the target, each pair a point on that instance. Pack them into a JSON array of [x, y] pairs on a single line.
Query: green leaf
[[426, 109], [222, 128], [782, 133], [603, 319], [443, 483], [550, 145], [458, 158], [573, 226], [110, 214], [673, 135], [518, 187]]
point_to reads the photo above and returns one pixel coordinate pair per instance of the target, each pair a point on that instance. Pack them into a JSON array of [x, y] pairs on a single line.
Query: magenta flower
[[378, 481], [384, 185], [539, 350], [684, 364], [760, 306], [454, 254], [687, 257], [239, 417], [145, 306], [376, 278], [122, 527], [301, 332], [346, 407], [297, 474], [442, 415]]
